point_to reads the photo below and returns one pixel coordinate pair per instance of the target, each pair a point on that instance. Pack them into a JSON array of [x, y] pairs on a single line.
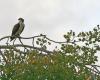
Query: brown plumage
[[17, 30]]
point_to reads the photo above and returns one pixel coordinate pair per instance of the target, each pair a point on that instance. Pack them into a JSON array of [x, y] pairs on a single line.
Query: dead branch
[[26, 46], [11, 47], [20, 45], [6, 37], [3, 56]]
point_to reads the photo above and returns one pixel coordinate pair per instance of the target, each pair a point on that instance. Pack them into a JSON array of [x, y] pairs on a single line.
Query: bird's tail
[[11, 38]]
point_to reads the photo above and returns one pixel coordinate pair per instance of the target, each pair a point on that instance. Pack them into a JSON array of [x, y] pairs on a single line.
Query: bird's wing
[[15, 29], [22, 28]]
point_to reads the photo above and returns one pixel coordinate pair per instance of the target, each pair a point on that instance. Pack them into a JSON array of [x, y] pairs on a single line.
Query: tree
[[67, 63]]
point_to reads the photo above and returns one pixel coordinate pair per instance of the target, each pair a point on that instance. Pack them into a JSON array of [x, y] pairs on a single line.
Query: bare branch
[[11, 47], [3, 56], [33, 38], [20, 45], [5, 37]]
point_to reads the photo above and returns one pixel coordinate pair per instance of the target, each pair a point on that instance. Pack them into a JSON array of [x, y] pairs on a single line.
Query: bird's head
[[21, 20]]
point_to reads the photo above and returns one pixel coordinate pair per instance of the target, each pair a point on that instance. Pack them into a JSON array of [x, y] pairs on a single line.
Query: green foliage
[[42, 42], [68, 63]]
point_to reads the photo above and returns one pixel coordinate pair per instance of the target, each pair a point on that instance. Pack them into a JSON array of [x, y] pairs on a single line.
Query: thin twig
[[3, 56], [34, 37], [23, 44], [11, 47], [33, 42], [19, 45]]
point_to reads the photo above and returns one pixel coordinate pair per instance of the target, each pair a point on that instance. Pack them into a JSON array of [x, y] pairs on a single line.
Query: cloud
[[51, 17]]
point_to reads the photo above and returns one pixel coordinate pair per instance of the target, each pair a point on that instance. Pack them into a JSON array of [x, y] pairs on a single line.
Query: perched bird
[[17, 29]]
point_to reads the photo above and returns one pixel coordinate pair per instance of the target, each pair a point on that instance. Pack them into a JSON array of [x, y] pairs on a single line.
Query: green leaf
[[37, 42]]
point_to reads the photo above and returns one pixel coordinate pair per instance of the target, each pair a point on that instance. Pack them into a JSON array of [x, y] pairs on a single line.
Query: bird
[[17, 29]]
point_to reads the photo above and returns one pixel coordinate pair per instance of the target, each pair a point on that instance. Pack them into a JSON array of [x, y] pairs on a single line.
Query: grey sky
[[51, 17]]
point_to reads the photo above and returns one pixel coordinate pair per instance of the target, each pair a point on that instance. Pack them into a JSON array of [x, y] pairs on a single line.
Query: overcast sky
[[51, 17]]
